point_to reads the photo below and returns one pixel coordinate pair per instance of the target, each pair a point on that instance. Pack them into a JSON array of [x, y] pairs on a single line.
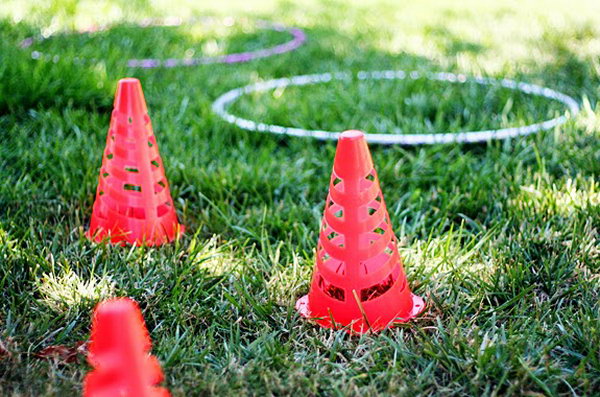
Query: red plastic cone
[[133, 202], [358, 280], [119, 352]]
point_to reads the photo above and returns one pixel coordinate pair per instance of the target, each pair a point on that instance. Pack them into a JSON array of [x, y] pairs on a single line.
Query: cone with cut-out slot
[[358, 282], [133, 201], [119, 353]]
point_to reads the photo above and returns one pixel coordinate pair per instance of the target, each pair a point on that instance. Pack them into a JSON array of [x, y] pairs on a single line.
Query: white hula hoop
[[224, 101]]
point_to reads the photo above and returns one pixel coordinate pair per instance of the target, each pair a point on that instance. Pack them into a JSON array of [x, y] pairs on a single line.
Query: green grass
[[208, 37], [411, 106], [501, 239]]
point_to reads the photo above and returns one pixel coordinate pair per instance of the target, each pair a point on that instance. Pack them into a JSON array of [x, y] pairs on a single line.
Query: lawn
[[500, 238]]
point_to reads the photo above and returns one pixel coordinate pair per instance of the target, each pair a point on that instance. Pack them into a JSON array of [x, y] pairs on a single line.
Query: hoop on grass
[[224, 101], [298, 38]]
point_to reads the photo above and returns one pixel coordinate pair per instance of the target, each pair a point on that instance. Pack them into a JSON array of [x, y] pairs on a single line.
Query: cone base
[[101, 235], [358, 326]]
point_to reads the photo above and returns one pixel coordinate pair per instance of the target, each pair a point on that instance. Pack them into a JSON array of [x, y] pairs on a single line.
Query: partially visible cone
[[358, 282], [119, 352], [133, 201]]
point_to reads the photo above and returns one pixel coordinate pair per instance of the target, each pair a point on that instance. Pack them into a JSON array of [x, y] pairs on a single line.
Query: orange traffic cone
[[119, 352], [133, 202], [358, 280]]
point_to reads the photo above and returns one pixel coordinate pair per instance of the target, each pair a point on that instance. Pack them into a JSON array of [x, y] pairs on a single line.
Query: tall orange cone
[[358, 281], [133, 201], [119, 352]]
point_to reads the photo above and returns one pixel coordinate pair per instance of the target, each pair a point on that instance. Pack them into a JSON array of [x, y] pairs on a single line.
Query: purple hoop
[[298, 38]]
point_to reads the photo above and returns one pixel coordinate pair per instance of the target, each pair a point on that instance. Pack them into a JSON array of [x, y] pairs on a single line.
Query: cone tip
[[129, 98], [352, 157], [116, 305], [128, 81], [352, 135]]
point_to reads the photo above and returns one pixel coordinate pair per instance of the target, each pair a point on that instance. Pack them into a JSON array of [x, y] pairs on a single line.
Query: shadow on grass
[[451, 44], [80, 69], [26, 83]]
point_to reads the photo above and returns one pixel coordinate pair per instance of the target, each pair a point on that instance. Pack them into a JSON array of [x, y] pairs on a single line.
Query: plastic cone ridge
[[358, 282], [133, 201], [119, 352]]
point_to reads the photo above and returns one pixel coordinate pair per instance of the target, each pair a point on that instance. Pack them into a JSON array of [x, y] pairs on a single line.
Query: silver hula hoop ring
[[224, 101], [298, 38]]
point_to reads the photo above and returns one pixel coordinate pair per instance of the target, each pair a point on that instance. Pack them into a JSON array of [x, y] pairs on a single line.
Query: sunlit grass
[[456, 253], [288, 280], [67, 291], [574, 195], [213, 258]]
